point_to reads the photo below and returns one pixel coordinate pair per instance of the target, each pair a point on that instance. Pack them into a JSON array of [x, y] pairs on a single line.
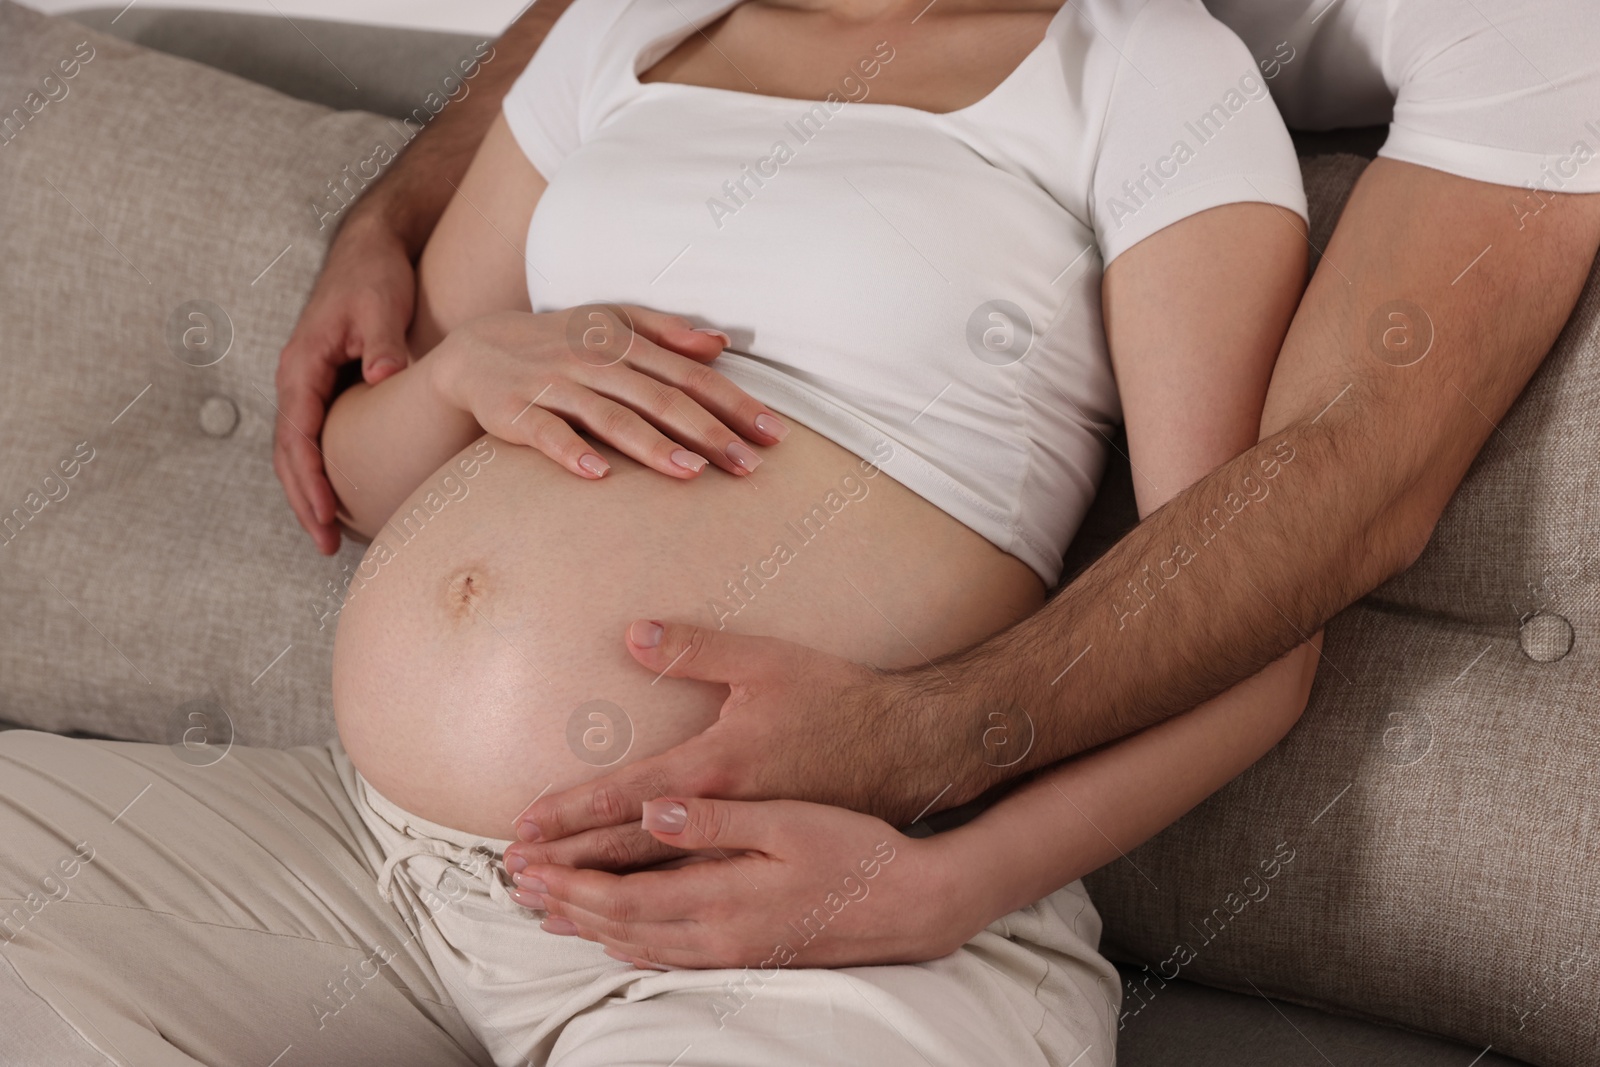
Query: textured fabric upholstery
[[171, 569], [385, 70], [1182, 1024], [1439, 793], [1437, 798]]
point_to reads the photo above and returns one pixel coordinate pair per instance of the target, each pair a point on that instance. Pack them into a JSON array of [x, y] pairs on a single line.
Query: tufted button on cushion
[[218, 416], [1421, 846], [179, 238], [1545, 638]]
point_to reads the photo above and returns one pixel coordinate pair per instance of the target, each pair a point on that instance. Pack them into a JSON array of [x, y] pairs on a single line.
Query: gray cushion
[[1439, 795], [1181, 1024], [171, 569], [385, 70], [1442, 888]]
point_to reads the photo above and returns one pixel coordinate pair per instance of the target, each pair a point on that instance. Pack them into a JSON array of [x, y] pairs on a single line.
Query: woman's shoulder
[[1164, 79]]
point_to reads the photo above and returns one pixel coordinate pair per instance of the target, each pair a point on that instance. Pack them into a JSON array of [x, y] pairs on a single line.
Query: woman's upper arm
[[1197, 206], [1194, 317], [475, 262]]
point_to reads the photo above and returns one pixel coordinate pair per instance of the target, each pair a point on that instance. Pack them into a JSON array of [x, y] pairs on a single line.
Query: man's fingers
[[300, 429], [679, 650], [305, 380], [383, 348], [690, 769], [325, 535]]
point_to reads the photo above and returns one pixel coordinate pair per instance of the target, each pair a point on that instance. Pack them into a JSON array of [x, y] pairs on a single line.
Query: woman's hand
[[771, 884], [631, 377]]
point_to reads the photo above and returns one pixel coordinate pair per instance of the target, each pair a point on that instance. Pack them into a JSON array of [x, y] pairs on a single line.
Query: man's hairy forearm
[[1358, 458], [411, 196], [1168, 618]]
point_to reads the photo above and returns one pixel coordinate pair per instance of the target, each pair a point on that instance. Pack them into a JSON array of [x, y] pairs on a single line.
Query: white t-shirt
[[1502, 91], [922, 289]]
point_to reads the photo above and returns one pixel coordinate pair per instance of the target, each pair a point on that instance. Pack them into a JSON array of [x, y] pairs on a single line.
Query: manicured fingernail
[[771, 426], [527, 831], [743, 456], [594, 464], [718, 334], [667, 816], [527, 899], [688, 460], [557, 925], [514, 863], [645, 634], [387, 363], [530, 883]]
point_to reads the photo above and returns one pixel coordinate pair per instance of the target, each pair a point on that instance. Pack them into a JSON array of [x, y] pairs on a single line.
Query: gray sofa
[[1443, 824]]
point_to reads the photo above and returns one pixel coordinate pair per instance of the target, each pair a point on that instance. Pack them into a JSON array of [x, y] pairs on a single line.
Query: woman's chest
[[803, 228]]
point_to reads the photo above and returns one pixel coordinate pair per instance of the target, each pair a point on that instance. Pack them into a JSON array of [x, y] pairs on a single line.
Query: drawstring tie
[[469, 861]]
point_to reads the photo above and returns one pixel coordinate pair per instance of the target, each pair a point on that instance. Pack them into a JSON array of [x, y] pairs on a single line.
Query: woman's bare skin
[[488, 624]]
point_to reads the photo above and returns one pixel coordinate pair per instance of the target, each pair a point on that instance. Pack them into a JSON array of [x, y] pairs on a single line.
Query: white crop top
[[922, 289]]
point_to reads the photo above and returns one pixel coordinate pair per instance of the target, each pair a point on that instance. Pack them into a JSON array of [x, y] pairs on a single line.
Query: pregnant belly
[[480, 656]]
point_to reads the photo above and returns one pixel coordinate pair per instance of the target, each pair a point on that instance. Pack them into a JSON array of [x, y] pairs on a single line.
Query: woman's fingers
[[613, 378], [695, 823], [670, 443], [665, 897], [624, 955], [673, 332], [626, 430], [571, 404], [657, 941], [676, 354], [546, 423], [722, 402], [606, 848], [551, 434], [649, 915], [677, 414]]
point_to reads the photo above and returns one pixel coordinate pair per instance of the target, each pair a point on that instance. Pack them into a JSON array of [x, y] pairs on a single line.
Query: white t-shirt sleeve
[[1189, 125], [544, 107], [1499, 92]]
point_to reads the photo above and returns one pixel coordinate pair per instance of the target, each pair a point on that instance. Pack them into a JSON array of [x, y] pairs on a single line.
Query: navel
[[464, 593]]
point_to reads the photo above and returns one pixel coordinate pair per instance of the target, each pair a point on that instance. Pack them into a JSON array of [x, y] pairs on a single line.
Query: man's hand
[[784, 884], [360, 309], [797, 724], [363, 303]]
